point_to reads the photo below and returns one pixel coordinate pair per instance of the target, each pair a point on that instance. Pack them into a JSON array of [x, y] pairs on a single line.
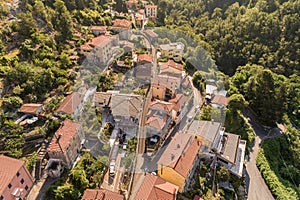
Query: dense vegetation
[[240, 32], [88, 173], [279, 166]]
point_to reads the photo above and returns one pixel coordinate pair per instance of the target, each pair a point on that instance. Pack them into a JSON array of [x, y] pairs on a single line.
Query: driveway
[[257, 188]]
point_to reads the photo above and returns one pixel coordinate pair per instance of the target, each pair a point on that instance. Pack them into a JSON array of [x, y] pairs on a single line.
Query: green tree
[[12, 102], [223, 174], [27, 25], [237, 102], [78, 179], [67, 191], [62, 20]]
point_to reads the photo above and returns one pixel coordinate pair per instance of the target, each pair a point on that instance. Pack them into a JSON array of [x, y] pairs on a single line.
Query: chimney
[[58, 137], [172, 156]]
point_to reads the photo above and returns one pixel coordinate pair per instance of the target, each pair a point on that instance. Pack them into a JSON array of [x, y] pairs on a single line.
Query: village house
[[154, 187], [171, 67], [232, 153], [15, 179], [102, 46], [31, 108], [71, 105], [159, 116], [123, 27], [121, 110], [219, 101], [151, 35], [132, 4], [101, 194], [144, 71], [144, 58], [151, 11], [179, 102], [165, 86], [179, 161], [208, 133], [98, 30], [140, 18], [173, 50], [65, 145], [227, 147]]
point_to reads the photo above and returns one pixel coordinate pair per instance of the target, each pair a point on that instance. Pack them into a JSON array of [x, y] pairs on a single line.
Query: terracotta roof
[[172, 64], [174, 150], [98, 28], [230, 143], [150, 6], [66, 132], [123, 23], [178, 101], [220, 100], [186, 160], [156, 122], [155, 188], [102, 97], [181, 153], [99, 41], [150, 33], [167, 81], [144, 57], [70, 103], [101, 194], [141, 11], [30, 108], [161, 105], [8, 170]]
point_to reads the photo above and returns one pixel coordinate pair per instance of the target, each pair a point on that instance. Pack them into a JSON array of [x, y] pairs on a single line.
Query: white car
[[112, 166]]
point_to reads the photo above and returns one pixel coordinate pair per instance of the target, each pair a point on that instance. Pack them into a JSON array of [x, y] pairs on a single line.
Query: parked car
[[112, 167]]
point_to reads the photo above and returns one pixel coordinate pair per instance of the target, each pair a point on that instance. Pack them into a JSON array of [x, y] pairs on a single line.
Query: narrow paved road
[[257, 188]]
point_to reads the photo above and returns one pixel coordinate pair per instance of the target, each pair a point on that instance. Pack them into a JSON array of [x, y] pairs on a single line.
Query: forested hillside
[[240, 32]]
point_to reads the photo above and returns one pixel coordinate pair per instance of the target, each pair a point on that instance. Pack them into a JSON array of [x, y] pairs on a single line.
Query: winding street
[[257, 188]]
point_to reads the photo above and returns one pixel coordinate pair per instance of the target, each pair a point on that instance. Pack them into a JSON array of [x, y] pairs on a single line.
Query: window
[[18, 174], [26, 187], [9, 186], [22, 181]]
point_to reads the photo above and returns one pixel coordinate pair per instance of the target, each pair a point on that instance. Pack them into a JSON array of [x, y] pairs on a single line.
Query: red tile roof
[[220, 100], [151, 33], [155, 188], [150, 6], [30, 108], [156, 122], [101, 194], [161, 105], [180, 153], [186, 160], [95, 42], [8, 170], [66, 132], [173, 64], [144, 57], [178, 101], [98, 28], [123, 23], [70, 103]]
